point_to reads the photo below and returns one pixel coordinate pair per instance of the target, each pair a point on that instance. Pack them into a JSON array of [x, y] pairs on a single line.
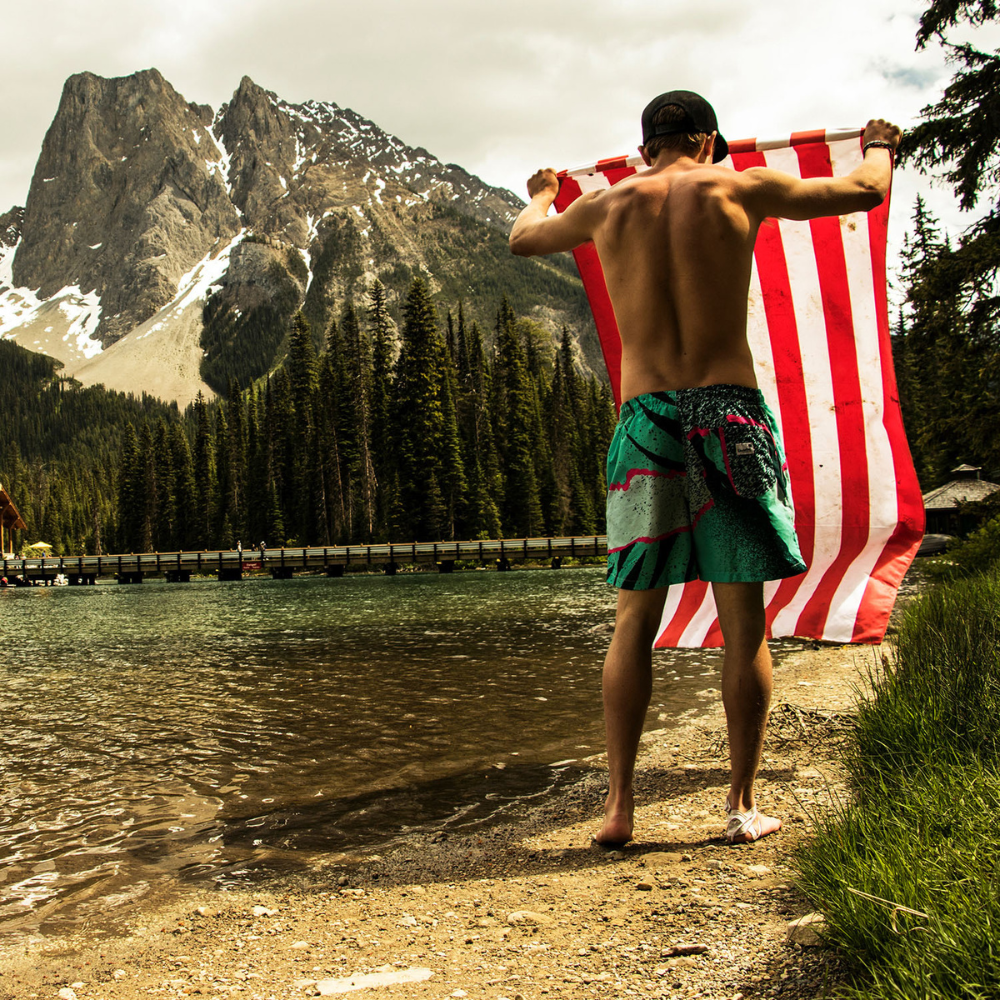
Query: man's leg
[[627, 684], [746, 691]]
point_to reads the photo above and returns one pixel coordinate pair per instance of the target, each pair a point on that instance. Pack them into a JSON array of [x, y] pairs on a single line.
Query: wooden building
[[10, 521], [945, 506]]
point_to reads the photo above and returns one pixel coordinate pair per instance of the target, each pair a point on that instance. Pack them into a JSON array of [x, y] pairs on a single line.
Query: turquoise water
[[183, 731]]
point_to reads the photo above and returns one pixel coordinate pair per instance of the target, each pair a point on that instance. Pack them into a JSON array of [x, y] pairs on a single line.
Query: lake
[[215, 731]]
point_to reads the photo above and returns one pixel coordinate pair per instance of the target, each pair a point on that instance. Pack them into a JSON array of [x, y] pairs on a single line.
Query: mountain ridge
[[140, 197]]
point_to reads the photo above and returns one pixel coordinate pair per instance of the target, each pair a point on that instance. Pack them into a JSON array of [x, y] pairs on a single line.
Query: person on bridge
[[697, 484]]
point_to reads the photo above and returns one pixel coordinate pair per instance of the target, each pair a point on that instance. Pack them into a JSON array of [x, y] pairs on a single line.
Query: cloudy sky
[[499, 88]]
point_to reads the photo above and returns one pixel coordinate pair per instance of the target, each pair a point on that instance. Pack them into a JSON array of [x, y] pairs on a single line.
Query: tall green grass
[[922, 831]]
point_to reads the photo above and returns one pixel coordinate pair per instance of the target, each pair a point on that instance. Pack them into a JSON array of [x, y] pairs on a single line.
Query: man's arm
[[777, 194], [537, 232]]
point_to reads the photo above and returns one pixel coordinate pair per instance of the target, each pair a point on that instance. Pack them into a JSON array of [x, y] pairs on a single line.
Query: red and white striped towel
[[819, 331]]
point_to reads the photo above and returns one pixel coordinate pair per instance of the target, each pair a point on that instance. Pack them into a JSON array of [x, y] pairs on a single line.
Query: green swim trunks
[[698, 489]]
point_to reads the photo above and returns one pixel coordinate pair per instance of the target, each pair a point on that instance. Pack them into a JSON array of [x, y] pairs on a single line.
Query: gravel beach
[[526, 910]]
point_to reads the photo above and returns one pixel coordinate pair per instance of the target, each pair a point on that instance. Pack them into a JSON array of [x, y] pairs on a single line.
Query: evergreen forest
[[439, 432], [428, 436]]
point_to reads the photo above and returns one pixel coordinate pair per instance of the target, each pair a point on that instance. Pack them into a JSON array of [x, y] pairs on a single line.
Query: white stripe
[[670, 606], [701, 621], [593, 182]]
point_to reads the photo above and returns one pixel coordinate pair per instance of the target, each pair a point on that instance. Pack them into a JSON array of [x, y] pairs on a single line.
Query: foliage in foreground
[[920, 834]]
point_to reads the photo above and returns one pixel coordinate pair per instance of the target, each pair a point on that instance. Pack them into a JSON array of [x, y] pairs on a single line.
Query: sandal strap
[[740, 823]]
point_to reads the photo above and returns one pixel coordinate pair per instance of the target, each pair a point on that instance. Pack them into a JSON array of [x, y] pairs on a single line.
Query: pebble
[[655, 858], [758, 869], [407, 921], [527, 918], [119, 973], [685, 949], [644, 886], [67, 994], [300, 946], [806, 931], [207, 911], [715, 866], [263, 911]]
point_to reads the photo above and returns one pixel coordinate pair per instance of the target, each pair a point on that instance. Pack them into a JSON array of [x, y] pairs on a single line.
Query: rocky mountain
[[164, 247]]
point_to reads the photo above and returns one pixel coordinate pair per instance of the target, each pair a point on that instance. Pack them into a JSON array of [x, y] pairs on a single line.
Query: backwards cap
[[699, 117]]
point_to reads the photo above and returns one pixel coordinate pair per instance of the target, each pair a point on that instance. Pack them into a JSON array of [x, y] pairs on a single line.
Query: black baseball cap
[[700, 118]]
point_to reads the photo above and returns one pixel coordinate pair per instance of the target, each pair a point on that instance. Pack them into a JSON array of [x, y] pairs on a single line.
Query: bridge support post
[[336, 570]]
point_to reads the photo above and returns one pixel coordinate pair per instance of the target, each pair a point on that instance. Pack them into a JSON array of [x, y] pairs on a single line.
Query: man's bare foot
[[743, 828], [618, 820]]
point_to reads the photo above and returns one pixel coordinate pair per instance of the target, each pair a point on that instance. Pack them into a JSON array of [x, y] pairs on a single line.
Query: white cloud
[[498, 88]]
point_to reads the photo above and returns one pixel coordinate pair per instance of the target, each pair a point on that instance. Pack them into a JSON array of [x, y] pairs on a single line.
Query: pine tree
[[204, 477], [962, 134], [429, 457], [130, 500], [381, 432], [163, 516], [186, 529], [514, 405]]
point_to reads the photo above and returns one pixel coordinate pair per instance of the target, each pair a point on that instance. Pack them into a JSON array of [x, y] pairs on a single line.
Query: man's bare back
[[681, 305], [676, 246]]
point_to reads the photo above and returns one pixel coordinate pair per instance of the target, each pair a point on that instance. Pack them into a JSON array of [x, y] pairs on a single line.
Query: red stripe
[[616, 174], [831, 263], [713, 637], [611, 162], [592, 275], [782, 327], [896, 556], [742, 146], [815, 136], [569, 191], [691, 599]]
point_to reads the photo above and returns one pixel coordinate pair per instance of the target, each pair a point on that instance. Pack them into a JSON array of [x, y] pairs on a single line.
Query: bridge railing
[[312, 557]]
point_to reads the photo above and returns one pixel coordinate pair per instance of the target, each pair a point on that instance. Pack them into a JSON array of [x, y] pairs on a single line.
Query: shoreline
[[527, 907]]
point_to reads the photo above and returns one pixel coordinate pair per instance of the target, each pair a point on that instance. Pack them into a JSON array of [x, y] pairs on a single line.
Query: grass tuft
[[921, 831]]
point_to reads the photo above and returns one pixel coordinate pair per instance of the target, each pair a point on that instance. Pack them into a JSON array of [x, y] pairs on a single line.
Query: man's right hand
[[879, 130], [543, 182]]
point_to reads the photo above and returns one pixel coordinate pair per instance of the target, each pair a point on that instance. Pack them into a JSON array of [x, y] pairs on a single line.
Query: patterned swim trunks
[[698, 489]]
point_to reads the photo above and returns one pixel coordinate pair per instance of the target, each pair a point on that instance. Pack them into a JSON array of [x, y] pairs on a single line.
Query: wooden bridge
[[230, 564]]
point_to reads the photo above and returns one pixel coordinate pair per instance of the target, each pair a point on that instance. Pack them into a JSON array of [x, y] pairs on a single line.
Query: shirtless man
[[697, 486]]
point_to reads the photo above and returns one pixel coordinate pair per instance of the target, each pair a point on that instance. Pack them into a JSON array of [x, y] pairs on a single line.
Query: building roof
[[9, 516], [959, 491]]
